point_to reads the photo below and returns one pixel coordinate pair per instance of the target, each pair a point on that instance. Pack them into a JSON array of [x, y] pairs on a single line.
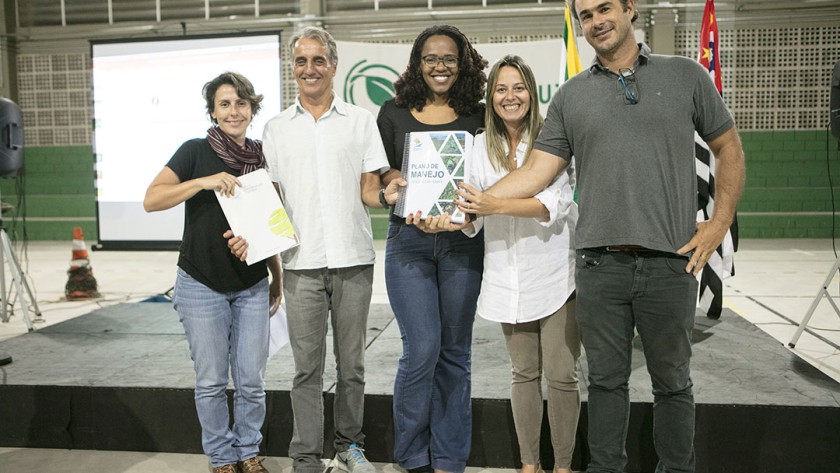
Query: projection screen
[[146, 102]]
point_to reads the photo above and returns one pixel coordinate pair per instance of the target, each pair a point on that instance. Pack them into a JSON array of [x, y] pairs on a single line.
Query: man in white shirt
[[325, 154]]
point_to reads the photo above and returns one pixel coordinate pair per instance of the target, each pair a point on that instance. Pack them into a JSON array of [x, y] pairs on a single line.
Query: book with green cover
[[433, 165]]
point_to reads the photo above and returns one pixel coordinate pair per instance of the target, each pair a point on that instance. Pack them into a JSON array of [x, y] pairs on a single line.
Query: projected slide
[[146, 102]]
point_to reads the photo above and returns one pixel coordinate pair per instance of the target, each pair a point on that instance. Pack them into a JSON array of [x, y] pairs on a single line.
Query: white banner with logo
[[367, 71]]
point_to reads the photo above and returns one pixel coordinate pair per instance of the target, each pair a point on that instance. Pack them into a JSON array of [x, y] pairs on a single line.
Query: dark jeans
[[433, 282], [652, 292]]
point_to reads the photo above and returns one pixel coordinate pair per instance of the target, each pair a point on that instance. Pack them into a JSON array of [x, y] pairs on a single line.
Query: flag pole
[[721, 265]]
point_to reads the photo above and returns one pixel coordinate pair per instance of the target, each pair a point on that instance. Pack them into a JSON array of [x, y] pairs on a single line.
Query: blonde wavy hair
[[494, 126]]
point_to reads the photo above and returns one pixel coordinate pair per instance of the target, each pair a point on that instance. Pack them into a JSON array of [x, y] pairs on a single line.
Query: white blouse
[[529, 265]]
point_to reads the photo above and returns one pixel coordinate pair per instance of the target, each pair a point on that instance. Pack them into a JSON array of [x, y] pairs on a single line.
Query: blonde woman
[[528, 282]]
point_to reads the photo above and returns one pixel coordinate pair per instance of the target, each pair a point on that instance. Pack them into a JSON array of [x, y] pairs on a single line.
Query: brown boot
[[252, 465], [231, 468]]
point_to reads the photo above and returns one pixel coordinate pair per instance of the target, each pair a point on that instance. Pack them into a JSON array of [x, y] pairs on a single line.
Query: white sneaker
[[353, 461]]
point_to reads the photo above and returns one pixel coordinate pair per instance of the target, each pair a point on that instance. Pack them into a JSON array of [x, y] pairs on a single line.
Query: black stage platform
[[120, 378]]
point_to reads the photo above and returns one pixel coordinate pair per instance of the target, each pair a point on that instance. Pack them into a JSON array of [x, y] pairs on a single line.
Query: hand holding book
[[436, 224], [254, 209], [434, 164], [473, 201], [393, 190]]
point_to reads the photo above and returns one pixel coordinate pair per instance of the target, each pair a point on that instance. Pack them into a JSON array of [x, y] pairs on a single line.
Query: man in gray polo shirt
[[629, 121]]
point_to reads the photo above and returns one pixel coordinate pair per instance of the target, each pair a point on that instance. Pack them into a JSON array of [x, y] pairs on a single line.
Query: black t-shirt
[[395, 121], [204, 252]]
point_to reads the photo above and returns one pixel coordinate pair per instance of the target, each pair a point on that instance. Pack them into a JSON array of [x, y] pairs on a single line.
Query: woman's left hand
[[238, 246], [475, 201]]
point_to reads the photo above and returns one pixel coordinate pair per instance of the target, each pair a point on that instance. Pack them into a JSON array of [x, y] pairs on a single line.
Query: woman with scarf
[[223, 303]]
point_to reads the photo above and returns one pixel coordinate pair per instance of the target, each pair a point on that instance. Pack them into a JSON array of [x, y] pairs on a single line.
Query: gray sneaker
[[353, 461]]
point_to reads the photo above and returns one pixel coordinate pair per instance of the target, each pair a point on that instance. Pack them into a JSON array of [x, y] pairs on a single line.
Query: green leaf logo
[[369, 85], [379, 90]]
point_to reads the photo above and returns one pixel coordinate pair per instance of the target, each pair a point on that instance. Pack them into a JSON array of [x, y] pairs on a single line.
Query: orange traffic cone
[[80, 282]]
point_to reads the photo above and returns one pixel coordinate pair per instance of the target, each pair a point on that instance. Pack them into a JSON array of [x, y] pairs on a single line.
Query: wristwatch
[[382, 199]]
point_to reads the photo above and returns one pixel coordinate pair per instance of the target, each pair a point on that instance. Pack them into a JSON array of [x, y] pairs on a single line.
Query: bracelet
[[382, 199]]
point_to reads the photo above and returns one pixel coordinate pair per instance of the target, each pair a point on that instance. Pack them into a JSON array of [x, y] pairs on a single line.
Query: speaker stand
[[7, 255]]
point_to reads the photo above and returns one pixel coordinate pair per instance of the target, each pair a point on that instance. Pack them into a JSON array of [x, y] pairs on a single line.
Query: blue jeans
[[315, 297], [226, 332], [433, 282], [617, 291]]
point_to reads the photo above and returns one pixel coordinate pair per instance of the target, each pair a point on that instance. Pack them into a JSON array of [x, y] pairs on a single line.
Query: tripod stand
[[11, 160], [7, 255], [823, 292]]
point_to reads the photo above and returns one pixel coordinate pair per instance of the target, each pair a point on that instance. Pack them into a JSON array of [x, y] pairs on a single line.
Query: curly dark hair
[[468, 89]]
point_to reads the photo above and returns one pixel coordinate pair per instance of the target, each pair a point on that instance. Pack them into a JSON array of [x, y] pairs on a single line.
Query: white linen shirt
[[319, 166], [529, 265]]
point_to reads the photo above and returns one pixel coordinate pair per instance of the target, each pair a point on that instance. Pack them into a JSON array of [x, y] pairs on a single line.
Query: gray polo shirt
[[636, 178]]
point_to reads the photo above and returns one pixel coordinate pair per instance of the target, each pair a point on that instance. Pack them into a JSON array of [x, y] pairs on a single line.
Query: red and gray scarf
[[243, 159]]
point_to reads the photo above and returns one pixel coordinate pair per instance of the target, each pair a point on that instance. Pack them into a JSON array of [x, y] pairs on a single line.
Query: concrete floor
[[88, 461], [776, 281]]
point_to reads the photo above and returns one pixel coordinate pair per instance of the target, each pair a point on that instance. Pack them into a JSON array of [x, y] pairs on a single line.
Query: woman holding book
[[223, 304], [529, 256], [433, 279]]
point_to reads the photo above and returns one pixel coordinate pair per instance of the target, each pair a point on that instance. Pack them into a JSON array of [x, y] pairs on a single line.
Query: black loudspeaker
[[11, 138], [834, 102]]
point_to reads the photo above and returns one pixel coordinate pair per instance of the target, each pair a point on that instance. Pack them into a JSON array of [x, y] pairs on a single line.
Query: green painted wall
[[54, 192], [787, 192]]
